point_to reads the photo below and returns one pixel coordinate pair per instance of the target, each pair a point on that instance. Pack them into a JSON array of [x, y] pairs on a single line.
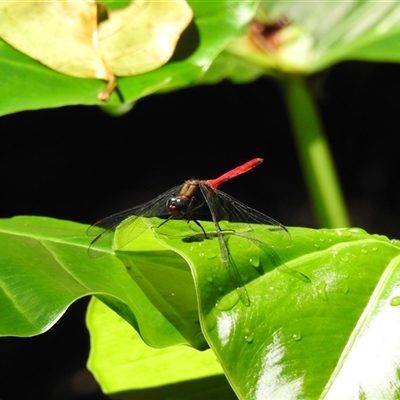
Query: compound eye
[[177, 206]]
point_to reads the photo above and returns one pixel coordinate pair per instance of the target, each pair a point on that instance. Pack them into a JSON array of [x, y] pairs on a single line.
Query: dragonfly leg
[[201, 227], [166, 220]]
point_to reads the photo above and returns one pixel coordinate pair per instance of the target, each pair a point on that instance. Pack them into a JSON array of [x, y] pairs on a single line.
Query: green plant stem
[[315, 157]]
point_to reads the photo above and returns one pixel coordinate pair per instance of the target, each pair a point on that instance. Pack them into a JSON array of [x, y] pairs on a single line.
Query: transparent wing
[[275, 260], [240, 218], [128, 224], [227, 260], [238, 282], [235, 217]]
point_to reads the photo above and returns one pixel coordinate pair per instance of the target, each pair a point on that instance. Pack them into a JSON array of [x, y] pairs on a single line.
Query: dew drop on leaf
[[395, 301], [321, 291], [344, 289], [255, 261], [356, 230], [210, 321], [346, 233], [209, 359], [297, 336], [226, 303], [248, 335], [211, 255]]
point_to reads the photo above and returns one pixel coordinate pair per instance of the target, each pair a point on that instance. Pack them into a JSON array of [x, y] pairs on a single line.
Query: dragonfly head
[[186, 201], [178, 206]]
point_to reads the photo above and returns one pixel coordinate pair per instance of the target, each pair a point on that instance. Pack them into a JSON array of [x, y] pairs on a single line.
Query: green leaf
[[299, 339], [115, 4], [27, 84], [124, 365], [319, 35], [44, 267], [333, 337]]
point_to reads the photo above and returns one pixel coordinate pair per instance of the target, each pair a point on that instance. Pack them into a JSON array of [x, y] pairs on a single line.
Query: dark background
[[80, 164]]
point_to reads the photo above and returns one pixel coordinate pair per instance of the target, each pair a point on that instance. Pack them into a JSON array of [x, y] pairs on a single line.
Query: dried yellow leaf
[[74, 38]]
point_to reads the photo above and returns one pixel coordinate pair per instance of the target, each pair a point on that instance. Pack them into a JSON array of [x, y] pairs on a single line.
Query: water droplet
[[381, 237], [344, 289], [248, 335], [394, 241], [210, 279], [209, 359], [364, 251], [211, 255], [255, 261], [345, 233], [357, 231], [278, 286], [316, 245], [395, 301], [345, 258], [322, 240], [210, 321], [226, 303], [374, 248], [321, 291], [296, 336], [249, 338], [201, 254]]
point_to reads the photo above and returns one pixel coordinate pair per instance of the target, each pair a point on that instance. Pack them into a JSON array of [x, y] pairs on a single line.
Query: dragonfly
[[186, 202]]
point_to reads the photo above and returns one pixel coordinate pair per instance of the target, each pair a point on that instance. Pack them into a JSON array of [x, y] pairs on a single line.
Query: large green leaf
[[27, 84], [44, 267], [326, 338], [125, 366], [333, 337], [319, 35]]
